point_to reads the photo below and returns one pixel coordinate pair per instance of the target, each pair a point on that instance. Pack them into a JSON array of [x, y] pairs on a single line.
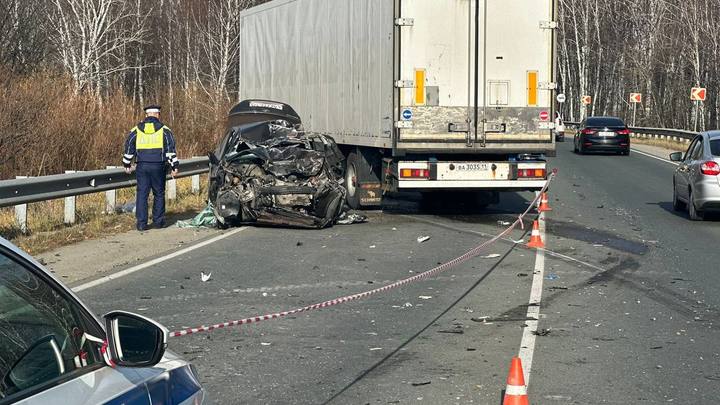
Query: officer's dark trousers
[[150, 176]]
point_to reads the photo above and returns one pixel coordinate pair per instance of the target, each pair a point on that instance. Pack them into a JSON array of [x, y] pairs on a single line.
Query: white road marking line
[[654, 157], [153, 262], [527, 344]]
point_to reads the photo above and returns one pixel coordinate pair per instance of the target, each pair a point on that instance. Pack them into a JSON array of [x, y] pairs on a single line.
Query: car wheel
[[676, 203], [695, 215]]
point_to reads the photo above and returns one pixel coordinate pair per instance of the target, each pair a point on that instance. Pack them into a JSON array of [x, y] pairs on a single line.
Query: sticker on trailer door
[[407, 114]]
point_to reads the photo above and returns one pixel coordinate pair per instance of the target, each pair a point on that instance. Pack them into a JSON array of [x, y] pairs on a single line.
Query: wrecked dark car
[[268, 171]]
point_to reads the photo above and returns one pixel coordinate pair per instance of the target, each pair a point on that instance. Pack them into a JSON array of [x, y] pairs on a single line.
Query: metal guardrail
[[655, 132], [35, 189]]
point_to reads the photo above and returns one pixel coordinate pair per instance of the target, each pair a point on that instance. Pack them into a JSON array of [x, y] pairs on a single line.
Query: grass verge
[[46, 230], [662, 143]]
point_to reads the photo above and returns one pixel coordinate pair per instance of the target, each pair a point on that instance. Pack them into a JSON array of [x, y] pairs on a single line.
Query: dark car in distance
[[602, 134]]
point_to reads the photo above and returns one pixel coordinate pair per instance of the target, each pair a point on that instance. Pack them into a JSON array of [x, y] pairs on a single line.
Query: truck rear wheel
[[352, 164], [362, 178]]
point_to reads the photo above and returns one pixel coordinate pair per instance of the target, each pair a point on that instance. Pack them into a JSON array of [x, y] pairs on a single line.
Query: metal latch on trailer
[[404, 22], [548, 25], [495, 128], [464, 127], [405, 84], [547, 86]]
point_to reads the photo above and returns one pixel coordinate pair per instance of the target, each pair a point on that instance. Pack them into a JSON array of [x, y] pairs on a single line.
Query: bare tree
[[90, 36]]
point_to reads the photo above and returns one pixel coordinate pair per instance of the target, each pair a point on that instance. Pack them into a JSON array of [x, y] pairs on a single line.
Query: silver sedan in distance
[[696, 182]]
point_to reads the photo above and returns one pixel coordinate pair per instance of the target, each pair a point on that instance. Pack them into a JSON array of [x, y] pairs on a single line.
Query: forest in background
[[660, 48], [74, 74]]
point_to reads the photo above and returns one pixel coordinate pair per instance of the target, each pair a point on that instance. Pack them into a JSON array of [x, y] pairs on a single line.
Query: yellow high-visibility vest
[[148, 138]]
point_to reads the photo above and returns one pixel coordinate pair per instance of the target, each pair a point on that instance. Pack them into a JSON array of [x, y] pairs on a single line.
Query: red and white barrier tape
[[439, 269]]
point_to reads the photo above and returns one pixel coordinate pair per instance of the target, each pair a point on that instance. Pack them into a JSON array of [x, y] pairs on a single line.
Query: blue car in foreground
[[53, 350]]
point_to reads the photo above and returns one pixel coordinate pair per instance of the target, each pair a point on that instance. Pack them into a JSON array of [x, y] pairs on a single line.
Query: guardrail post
[[195, 181], [172, 189], [21, 213], [70, 205], [110, 197], [195, 184]]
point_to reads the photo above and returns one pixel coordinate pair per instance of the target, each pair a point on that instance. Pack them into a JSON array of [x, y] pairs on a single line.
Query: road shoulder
[[99, 257]]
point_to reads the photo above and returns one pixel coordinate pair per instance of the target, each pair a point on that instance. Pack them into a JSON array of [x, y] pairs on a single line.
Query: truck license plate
[[472, 167]]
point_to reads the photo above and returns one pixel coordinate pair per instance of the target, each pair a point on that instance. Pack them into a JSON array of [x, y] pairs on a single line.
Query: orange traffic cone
[[535, 239], [544, 206], [516, 391]]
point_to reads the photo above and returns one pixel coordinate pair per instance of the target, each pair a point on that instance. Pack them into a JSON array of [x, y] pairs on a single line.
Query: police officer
[[152, 145]]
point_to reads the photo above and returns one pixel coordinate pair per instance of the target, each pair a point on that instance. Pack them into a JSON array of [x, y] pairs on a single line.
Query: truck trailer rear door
[[447, 46]]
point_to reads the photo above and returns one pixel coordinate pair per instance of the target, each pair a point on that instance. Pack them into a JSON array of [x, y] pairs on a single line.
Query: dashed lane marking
[[131, 270]]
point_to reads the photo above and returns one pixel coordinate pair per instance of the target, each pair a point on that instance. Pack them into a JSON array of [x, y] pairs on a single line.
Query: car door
[[682, 174], [694, 173], [51, 346]]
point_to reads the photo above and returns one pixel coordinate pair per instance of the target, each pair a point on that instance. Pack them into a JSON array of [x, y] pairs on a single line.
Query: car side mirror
[[676, 156], [134, 340]]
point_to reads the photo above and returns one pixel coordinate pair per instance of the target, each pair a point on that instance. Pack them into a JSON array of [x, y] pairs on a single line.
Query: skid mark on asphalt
[[521, 242], [575, 231]]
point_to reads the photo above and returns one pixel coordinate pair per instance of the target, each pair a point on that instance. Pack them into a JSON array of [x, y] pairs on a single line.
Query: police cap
[[152, 108]]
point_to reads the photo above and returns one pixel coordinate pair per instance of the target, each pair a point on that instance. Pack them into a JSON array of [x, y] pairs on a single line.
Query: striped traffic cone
[[535, 239], [544, 206], [516, 391]]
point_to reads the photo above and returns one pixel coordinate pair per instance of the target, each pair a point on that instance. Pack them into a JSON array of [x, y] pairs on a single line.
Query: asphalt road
[[629, 309]]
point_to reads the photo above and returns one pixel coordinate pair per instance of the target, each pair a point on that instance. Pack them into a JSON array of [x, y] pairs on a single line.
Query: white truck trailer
[[425, 95]]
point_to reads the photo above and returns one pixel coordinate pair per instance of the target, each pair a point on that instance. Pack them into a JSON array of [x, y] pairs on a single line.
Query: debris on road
[[205, 219], [541, 332], [418, 384], [265, 343], [346, 218], [205, 277], [125, 208], [422, 239], [373, 349], [503, 223], [552, 276], [457, 330], [490, 256], [522, 274], [425, 297]]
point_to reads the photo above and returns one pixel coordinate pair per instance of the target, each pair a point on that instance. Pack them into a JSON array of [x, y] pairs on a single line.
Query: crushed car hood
[[274, 174]]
